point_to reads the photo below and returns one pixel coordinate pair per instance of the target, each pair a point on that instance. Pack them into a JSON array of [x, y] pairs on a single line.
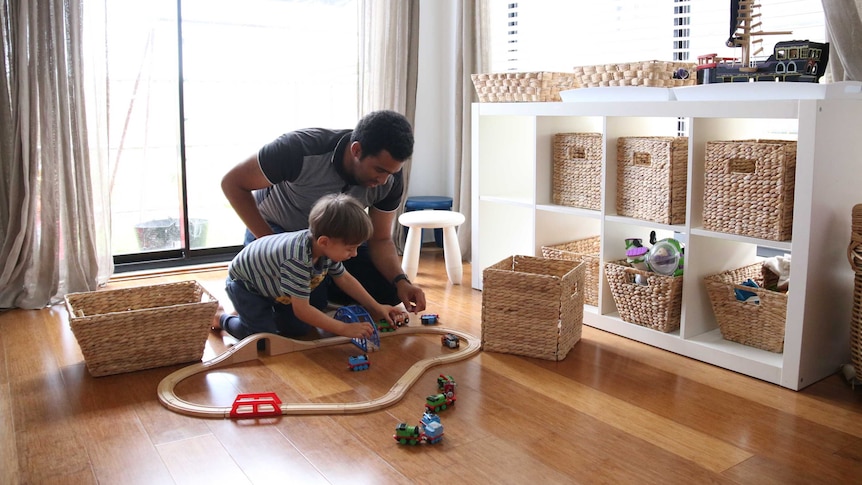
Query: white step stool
[[432, 219]]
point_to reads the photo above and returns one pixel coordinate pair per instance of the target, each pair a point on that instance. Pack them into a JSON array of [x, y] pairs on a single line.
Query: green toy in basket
[[666, 257]]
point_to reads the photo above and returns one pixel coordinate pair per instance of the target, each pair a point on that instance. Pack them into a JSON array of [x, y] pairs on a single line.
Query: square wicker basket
[[133, 329], [756, 325], [749, 188], [656, 304], [522, 86], [585, 251], [532, 307], [578, 170], [659, 74], [651, 178]]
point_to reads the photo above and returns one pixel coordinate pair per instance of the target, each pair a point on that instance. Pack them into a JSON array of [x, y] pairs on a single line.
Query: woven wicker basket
[[748, 188], [656, 305], [756, 325], [532, 307], [132, 329], [651, 178], [660, 74], [578, 170], [585, 251], [522, 86], [854, 257]]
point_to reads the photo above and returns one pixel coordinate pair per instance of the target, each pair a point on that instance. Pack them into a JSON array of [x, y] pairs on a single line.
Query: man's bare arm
[[237, 185]]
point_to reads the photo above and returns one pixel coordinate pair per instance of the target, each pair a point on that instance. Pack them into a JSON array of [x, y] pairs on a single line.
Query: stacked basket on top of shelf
[[749, 191], [651, 73], [507, 87]]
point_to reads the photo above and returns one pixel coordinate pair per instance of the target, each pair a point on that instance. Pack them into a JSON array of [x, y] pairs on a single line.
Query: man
[[274, 190]]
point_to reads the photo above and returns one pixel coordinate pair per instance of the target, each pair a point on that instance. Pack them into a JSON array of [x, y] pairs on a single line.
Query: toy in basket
[[757, 322], [133, 329]]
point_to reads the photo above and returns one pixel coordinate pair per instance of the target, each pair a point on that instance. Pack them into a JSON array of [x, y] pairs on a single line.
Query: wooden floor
[[614, 411]]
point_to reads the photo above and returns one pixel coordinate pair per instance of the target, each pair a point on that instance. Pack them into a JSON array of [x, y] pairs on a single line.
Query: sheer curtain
[[389, 36], [54, 224], [844, 31]]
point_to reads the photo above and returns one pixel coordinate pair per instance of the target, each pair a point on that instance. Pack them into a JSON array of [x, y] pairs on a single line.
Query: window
[[250, 71], [556, 35]]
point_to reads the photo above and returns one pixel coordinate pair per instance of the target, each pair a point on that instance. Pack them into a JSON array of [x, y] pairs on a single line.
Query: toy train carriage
[[450, 340], [358, 362], [432, 432], [438, 402], [384, 326], [407, 434], [446, 385]]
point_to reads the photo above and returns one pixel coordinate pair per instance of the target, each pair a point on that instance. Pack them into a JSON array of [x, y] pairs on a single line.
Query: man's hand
[[412, 296]]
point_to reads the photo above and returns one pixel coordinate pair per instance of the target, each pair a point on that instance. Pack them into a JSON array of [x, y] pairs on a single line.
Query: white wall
[[432, 171]]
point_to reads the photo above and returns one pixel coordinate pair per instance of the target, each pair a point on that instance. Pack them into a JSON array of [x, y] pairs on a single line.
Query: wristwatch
[[400, 277]]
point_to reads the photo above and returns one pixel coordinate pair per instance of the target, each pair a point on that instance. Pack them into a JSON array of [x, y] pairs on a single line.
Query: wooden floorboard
[[614, 411]]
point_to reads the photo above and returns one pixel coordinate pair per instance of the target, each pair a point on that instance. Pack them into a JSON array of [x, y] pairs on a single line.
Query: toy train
[[430, 431], [445, 398], [358, 362]]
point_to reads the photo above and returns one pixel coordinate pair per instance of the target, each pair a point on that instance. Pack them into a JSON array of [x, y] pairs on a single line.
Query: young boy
[[271, 279]]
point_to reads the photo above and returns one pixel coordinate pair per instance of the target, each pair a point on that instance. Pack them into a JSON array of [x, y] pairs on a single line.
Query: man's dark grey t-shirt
[[305, 165]]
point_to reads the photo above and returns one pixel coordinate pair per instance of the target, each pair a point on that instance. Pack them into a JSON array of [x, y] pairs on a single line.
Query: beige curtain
[[388, 63], [471, 58], [844, 32], [54, 223]]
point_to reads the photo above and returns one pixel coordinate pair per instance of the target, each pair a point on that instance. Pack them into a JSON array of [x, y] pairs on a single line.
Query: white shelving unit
[[513, 213]]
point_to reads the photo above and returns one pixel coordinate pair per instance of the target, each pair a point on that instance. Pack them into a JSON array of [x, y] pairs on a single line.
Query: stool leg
[[410, 260], [452, 255]]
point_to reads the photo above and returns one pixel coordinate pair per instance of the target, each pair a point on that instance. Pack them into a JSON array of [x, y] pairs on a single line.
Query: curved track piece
[[246, 350]]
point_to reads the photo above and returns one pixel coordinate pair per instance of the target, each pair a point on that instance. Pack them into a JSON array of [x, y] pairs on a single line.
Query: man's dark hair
[[384, 130]]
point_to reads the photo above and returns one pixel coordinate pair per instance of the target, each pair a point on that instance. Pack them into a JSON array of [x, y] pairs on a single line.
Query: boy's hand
[[357, 330]]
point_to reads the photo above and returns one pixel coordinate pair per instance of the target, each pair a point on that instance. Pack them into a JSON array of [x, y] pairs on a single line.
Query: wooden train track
[[246, 350]]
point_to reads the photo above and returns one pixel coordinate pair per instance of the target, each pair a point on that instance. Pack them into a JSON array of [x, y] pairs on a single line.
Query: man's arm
[[238, 185], [384, 256]]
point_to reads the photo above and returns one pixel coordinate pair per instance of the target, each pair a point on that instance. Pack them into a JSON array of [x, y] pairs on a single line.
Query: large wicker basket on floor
[[508, 87], [656, 304], [577, 178], [585, 251], [132, 329], [854, 257], [749, 188], [532, 307], [651, 178], [759, 325], [659, 74]]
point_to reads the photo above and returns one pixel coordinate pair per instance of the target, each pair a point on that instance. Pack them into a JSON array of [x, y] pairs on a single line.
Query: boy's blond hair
[[340, 216]]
